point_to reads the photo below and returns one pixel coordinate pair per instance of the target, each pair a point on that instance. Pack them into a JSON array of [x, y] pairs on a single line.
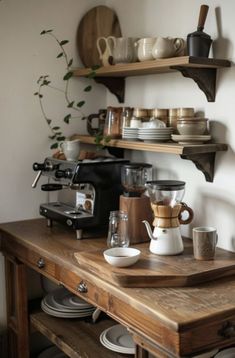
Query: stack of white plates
[[52, 352], [130, 133], [62, 303], [117, 339], [226, 353], [154, 135]]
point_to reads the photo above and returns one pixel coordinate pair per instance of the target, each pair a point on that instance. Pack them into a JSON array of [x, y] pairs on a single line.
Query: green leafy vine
[[56, 134]]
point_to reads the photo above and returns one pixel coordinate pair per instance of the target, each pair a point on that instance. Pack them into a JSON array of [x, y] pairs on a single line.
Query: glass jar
[[112, 127], [126, 117], [118, 229]]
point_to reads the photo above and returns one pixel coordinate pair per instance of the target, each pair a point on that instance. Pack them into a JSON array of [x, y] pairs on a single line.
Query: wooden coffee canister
[[138, 209]]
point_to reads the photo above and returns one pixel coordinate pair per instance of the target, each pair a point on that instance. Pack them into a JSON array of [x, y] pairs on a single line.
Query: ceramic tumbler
[[204, 242]]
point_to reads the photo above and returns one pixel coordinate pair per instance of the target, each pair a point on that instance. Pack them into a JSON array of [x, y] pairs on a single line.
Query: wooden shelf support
[[204, 77], [204, 162], [116, 85]]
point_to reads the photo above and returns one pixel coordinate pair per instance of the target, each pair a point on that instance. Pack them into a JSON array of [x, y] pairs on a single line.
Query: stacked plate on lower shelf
[[62, 303], [130, 133], [118, 339], [155, 135]]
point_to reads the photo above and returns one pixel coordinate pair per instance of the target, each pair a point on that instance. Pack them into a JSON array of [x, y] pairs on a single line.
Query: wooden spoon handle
[[202, 16]]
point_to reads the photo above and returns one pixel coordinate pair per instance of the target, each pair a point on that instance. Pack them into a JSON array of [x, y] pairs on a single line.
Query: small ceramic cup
[[71, 149], [204, 242]]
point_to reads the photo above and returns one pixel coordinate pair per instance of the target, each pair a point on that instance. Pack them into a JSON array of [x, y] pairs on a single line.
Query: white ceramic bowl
[[192, 127], [122, 256]]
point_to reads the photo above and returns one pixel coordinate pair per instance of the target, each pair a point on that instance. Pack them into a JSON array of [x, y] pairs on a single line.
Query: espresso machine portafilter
[[87, 190]]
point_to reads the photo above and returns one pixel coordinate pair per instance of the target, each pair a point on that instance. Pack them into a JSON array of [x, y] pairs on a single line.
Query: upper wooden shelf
[[202, 155], [201, 70]]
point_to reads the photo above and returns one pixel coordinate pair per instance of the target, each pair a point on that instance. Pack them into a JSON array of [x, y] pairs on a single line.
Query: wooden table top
[[177, 308]]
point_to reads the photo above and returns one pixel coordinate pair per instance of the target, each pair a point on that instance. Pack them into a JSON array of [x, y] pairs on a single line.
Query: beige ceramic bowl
[[122, 256], [192, 127]]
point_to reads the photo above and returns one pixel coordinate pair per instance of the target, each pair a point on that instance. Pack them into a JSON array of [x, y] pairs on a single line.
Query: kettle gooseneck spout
[[149, 230]]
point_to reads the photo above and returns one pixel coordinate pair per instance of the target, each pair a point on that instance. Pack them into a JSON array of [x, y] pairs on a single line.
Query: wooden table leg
[[140, 352], [17, 308]]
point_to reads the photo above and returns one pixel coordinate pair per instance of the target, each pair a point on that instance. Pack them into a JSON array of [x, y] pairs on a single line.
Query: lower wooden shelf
[[78, 338], [202, 155]]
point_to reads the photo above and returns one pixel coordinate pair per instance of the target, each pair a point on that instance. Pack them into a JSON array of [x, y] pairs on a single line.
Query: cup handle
[[185, 207], [216, 239], [61, 146], [98, 45], [179, 44]]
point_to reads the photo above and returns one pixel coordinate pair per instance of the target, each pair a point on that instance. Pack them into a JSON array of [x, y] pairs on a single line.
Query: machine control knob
[[46, 166], [69, 222], [67, 173]]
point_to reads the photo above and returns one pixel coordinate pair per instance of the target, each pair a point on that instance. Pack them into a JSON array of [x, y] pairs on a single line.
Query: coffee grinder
[[166, 197], [133, 201]]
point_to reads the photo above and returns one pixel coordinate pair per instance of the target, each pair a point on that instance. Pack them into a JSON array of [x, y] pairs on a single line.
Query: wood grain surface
[[97, 22], [160, 271]]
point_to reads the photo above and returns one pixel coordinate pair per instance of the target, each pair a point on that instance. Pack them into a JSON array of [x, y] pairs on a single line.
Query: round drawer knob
[[82, 287], [41, 263]]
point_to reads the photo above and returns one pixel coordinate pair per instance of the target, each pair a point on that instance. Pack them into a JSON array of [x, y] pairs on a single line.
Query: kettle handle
[[185, 207], [202, 16]]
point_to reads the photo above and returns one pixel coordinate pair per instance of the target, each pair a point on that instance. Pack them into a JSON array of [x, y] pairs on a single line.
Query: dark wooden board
[[99, 21], [160, 271]]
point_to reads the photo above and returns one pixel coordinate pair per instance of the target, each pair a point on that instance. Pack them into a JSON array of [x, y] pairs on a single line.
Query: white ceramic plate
[[226, 353], [57, 299], [119, 336], [207, 354], [120, 347], [190, 139], [65, 314]]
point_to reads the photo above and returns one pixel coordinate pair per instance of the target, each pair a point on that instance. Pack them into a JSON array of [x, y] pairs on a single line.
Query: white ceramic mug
[[167, 47], [71, 149], [205, 239], [144, 48]]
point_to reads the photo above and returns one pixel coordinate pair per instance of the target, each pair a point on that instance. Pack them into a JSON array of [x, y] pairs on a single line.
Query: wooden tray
[[160, 271]]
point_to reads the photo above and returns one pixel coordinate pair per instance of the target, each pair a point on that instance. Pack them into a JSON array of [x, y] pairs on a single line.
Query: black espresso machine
[[87, 190]]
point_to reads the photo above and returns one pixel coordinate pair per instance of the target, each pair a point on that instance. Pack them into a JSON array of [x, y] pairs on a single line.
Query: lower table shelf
[[75, 337]]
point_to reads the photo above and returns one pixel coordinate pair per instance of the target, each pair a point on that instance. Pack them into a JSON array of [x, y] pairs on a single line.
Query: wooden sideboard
[[168, 322]]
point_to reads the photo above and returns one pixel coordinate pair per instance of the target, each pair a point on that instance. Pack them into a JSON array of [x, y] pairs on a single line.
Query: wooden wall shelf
[[202, 155], [201, 70]]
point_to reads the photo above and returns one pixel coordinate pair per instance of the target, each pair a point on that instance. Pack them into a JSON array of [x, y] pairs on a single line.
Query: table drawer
[[35, 260], [84, 288]]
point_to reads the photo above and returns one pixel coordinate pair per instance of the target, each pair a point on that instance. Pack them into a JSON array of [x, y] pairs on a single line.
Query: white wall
[[25, 55], [213, 203]]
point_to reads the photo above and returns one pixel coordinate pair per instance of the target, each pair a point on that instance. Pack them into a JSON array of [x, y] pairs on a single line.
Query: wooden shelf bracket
[[116, 85], [204, 162], [204, 77]]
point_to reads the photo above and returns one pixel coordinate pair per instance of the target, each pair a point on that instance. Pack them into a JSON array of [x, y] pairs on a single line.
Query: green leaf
[[55, 128], [52, 136], [59, 139], [54, 146], [95, 67], [70, 62], [68, 76], [48, 121], [70, 105], [40, 95], [43, 32], [60, 55], [67, 118], [80, 104], [87, 89], [91, 74], [63, 42], [58, 133], [36, 94]]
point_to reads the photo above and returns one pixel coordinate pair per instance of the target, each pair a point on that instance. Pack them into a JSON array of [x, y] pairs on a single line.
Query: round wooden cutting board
[[99, 21]]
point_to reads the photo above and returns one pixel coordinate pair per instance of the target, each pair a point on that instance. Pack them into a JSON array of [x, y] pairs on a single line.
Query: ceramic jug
[[168, 47], [105, 50], [144, 48]]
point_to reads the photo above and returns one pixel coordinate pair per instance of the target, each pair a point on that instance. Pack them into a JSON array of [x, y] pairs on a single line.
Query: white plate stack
[[154, 135], [130, 133], [62, 303], [118, 339]]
